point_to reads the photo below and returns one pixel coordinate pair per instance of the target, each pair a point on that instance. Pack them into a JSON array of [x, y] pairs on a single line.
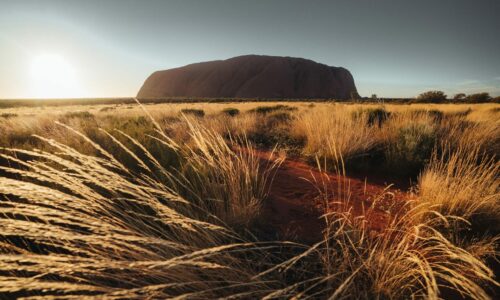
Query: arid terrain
[[250, 200]]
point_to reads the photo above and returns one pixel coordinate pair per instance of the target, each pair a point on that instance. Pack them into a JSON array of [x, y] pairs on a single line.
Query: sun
[[53, 76]]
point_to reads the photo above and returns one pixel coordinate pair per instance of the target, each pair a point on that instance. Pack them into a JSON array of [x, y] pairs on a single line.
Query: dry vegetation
[[165, 200]]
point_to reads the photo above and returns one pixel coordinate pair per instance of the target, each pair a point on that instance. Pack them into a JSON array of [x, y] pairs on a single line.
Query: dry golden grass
[[333, 127], [86, 225], [164, 206]]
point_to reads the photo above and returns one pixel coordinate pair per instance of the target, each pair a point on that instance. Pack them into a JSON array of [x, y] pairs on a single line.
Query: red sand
[[295, 205]]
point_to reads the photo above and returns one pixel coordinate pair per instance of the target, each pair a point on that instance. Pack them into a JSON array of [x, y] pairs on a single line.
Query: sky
[[106, 48]]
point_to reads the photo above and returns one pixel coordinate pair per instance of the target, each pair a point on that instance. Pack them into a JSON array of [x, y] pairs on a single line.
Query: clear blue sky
[[105, 48]]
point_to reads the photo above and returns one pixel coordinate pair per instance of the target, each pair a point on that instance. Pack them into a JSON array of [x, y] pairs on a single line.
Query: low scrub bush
[[269, 109], [431, 97], [275, 129], [411, 149], [478, 98], [193, 112], [230, 111], [375, 116]]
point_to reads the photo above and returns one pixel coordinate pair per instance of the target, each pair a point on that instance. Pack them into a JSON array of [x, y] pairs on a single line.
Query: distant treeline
[[427, 97]]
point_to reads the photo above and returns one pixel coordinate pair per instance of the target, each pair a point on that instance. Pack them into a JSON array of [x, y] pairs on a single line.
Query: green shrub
[[269, 109], [195, 112], [411, 149], [275, 130], [432, 96], [231, 111], [375, 116], [478, 98], [459, 97]]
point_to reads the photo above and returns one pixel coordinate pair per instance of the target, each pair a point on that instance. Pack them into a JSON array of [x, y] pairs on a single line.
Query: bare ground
[[300, 194]]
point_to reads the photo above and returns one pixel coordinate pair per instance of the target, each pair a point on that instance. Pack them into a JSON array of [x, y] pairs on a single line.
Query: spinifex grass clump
[[228, 181], [404, 260], [460, 133], [465, 184], [334, 132]]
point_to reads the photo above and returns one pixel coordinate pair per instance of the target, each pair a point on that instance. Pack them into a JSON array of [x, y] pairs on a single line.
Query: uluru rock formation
[[251, 76]]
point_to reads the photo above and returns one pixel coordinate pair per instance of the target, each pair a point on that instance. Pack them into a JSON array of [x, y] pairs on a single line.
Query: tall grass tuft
[[462, 186], [226, 179], [79, 225], [326, 129]]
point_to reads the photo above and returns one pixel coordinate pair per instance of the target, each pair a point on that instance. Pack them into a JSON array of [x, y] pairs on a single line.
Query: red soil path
[[295, 203]]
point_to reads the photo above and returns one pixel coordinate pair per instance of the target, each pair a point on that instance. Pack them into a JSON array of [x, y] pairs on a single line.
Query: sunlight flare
[[53, 76]]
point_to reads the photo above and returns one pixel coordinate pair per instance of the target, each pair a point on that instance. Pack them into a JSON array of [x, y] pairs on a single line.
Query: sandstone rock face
[[251, 76]]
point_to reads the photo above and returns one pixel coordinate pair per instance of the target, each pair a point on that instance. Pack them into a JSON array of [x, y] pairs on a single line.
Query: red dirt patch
[[295, 203]]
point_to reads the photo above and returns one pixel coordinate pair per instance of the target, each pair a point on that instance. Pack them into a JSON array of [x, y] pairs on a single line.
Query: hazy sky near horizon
[[106, 48]]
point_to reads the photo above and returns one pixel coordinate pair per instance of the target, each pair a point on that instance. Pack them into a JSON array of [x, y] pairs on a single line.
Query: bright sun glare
[[53, 77]]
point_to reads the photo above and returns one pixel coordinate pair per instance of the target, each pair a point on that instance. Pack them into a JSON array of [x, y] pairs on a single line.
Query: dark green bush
[[375, 116], [459, 97], [432, 96], [230, 111], [411, 149], [275, 130], [277, 118], [274, 108], [478, 98], [195, 112]]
